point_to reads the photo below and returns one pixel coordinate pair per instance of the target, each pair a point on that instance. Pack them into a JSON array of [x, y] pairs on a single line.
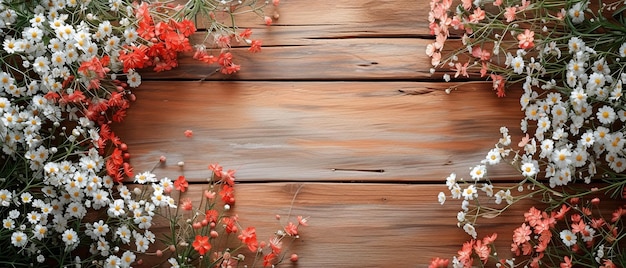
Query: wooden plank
[[301, 131], [342, 18], [321, 60], [362, 225]]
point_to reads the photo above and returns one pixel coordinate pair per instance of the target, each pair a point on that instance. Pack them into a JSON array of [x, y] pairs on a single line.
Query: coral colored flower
[[509, 13], [567, 262], [561, 213], [521, 234], [186, 204], [461, 69], [201, 244], [482, 250], [498, 84], [217, 170], [276, 245], [477, 16], [490, 239], [617, 214], [230, 224], [211, 215], [439, 263], [291, 229], [246, 33], [229, 177], [268, 259], [188, 133], [480, 53], [526, 39], [248, 236], [465, 254], [302, 221], [227, 194], [181, 184], [255, 46]]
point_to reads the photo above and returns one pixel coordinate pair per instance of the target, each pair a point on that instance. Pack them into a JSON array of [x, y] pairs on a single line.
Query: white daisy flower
[[518, 65], [19, 239], [606, 115], [568, 238]]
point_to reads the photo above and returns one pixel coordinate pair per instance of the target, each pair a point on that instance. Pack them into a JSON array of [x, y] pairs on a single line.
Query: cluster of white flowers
[[52, 170], [69, 190], [573, 124]]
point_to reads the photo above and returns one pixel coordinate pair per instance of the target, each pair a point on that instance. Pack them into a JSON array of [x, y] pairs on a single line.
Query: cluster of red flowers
[[215, 223], [166, 39], [225, 58], [102, 107]]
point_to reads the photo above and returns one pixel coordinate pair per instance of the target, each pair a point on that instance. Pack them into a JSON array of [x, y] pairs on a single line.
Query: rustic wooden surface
[[340, 84]]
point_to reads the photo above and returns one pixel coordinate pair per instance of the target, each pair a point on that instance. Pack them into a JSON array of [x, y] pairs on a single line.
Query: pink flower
[[509, 14], [478, 15], [567, 262], [467, 4], [188, 133], [480, 53], [521, 234], [461, 69], [526, 39]]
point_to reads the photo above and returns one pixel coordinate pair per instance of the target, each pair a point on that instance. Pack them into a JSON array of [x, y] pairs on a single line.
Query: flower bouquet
[[568, 59], [66, 71]]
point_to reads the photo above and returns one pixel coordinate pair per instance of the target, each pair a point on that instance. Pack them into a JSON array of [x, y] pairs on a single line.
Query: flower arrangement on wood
[[66, 70], [203, 230], [568, 59]]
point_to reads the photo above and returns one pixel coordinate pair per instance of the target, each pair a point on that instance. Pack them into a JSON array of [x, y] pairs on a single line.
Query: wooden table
[[340, 108]]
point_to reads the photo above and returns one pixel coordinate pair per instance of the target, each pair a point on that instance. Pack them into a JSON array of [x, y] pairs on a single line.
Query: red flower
[[439, 263], [186, 27], [211, 215], [217, 170], [246, 33], [187, 205], [134, 58], [230, 223], [227, 194], [181, 184], [201, 244], [229, 177], [188, 133], [230, 69], [291, 229], [255, 46], [248, 236], [267, 259]]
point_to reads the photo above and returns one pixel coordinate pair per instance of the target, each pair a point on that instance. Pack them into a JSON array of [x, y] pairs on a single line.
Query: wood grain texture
[[301, 131]]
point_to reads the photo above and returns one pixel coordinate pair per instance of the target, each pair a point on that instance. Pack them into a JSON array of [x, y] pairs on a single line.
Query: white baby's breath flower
[[470, 229], [441, 198]]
